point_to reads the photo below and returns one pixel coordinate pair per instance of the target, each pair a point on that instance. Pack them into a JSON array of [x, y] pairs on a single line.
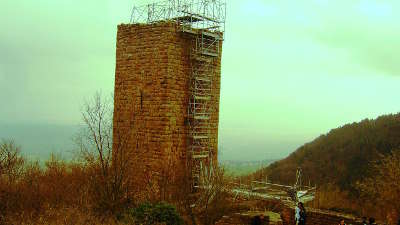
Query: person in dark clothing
[[372, 221], [342, 222], [303, 214], [256, 220], [398, 223], [364, 221]]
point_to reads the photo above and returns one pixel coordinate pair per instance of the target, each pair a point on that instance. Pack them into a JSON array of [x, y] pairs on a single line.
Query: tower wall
[[152, 79]]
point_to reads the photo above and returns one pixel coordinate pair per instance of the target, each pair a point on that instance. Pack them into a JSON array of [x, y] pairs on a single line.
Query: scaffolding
[[289, 193], [204, 23], [192, 14]]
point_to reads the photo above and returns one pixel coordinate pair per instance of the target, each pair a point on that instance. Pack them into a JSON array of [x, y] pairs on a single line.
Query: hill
[[342, 157]]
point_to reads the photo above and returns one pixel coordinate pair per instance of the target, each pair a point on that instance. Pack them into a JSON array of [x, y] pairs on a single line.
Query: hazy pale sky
[[291, 70]]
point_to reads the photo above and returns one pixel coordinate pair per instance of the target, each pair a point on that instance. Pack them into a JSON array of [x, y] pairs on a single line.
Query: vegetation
[[96, 188], [109, 178], [29, 191], [64, 193], [149, 214], [342, 156], [384, 186], [342, 159], [213, 202]]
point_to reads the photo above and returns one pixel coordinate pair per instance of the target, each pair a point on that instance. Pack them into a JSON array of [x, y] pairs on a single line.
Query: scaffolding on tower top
[[198, 14]]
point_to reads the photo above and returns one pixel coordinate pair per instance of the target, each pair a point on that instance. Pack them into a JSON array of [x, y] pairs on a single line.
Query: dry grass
[[62, 216]]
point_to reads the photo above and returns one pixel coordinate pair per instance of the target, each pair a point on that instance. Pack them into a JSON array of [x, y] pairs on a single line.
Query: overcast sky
[[291, 70]]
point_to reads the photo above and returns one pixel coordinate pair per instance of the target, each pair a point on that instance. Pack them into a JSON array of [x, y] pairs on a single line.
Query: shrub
[[148, 213]]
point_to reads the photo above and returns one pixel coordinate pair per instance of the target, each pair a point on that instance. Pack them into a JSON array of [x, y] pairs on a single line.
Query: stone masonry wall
[[151, 100]]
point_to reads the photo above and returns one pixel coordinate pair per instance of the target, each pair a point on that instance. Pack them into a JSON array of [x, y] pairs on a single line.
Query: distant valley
[[239, 168], [38, 141]]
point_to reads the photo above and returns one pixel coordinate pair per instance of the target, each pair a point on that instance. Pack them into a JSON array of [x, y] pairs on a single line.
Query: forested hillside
[[342, 157]]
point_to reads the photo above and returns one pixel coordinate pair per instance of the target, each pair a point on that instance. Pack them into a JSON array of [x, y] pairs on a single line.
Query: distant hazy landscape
[[239, 168], [37, 141]]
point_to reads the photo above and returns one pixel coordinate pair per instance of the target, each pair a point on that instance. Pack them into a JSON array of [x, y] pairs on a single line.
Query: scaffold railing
[[196, 14]]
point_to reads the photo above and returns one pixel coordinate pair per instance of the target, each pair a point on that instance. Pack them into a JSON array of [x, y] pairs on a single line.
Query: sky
[[291, 70]]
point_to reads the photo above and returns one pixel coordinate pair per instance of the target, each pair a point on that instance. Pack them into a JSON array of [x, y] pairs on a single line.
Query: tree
[[11, 170], [109, 181], [11, 161], [383, 187], [213, 201], [210, 200]]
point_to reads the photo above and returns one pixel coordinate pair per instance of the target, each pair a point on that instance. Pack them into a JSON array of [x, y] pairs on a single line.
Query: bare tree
[[11, 161], [11, 170], [110, 186], [209, 201], [213, 201]]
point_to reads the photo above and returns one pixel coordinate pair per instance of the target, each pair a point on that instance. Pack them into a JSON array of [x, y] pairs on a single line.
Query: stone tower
[[166, 99]]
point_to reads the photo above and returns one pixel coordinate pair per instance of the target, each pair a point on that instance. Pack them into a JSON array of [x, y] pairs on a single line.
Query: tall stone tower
[[167, 90]]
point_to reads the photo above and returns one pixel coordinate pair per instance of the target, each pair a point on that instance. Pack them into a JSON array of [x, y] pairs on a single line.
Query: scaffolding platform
[[212, 54], [188, 19], [201, 117]]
